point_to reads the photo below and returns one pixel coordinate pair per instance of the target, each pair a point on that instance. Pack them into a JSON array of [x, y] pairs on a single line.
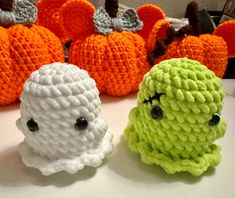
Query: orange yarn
[[189, 46], [149, 14], [22, 50], [117, 62], [49, 17], [159, 29], [81, 14], [215, 53], [227, 31], [207, 49], [210, 50]]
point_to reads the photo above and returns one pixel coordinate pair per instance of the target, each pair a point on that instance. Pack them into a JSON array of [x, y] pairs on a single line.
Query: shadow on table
[[14, 173], [129, 165]]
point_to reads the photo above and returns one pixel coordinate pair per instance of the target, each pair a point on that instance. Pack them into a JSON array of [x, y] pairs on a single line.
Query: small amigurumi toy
[[163, 42], [24, 47], [177, 117], [104, 43], [60, 109]]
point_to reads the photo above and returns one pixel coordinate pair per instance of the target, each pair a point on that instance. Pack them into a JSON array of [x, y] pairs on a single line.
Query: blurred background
[[173, 8]]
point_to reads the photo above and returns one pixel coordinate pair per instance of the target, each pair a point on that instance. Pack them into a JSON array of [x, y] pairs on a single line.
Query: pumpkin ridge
[[141, 56], [86, 54], [117, 60], [216, 52], [7, 84], [52, 43], [187, 42], [25, 43], [121, 70], [192, 47], [24, 48]]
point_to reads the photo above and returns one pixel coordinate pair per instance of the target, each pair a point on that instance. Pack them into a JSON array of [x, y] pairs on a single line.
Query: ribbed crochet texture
[[49, 17], [24, 49], [227, 31], [210, 50], [117, 61], [55, 96], [182, 140]]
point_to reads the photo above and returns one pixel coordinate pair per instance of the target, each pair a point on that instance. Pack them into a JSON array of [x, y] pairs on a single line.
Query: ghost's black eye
[[214, 120], [157, 113], [81, 124], [32, 125]]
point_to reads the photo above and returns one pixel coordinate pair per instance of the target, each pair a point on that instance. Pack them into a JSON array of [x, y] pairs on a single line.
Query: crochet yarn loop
[[171, 124], [55, 98], [128, 21]]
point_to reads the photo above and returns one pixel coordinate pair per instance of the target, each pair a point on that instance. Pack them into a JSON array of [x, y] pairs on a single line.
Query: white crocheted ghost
[[59, 110]]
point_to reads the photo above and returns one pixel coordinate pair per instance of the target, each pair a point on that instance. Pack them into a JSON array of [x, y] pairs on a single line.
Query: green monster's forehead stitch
[[178, 131], [151, 98]]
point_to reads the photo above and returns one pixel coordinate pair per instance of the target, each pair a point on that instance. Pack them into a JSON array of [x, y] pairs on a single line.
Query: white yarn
[[55, 96]]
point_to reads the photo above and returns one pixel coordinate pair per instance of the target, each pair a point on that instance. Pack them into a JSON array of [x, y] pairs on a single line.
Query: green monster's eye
[[156, 113], [214, 120]]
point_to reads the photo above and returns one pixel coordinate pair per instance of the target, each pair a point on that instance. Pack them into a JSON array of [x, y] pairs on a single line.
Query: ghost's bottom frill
[[171, 166], [48, 166]]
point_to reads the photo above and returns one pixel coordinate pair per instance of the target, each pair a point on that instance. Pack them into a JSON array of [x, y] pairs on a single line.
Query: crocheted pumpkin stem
[[161, 46], [6, 5], [17, 12], [111, 7], [194, 28], [193, 17]]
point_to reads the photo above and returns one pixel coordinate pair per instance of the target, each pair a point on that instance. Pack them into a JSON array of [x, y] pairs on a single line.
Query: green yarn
[[189, 94]]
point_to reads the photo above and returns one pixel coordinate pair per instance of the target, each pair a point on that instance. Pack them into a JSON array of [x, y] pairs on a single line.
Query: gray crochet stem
[[17, 12], [111, 7], [6, 5]]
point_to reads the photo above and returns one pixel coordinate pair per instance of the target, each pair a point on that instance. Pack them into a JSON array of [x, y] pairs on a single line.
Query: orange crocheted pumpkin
[[49, 17], [116, 59], [211, 50], [23, 49]]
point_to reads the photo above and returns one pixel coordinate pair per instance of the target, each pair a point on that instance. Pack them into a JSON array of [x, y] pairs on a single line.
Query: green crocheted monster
[[177, 117]]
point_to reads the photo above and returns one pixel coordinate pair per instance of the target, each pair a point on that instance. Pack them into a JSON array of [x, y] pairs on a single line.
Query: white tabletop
[[122, 174]]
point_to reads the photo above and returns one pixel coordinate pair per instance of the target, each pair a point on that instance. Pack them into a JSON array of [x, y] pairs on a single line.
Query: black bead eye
[[214, 120], [32, 125], [81, 124], [156, 113]]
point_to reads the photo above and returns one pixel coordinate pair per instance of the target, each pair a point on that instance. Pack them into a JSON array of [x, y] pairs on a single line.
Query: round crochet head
[[177, 117], [60, 109]]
